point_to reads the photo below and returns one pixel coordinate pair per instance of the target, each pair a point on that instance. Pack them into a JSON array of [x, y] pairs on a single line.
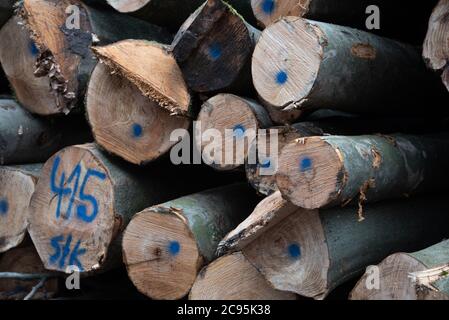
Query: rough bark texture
[[319, 65], [62, 53], [436, 44], [17, 184], [25, 138], [85, 198], [311, 252], [232, 277], [165, 246], [326, 171], [421, 275], [214, 47]]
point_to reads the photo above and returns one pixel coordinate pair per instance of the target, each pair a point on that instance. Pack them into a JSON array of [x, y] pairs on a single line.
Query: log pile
[[223, 150]]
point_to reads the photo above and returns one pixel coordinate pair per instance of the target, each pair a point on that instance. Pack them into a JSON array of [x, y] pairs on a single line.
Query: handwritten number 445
[[74, 180]]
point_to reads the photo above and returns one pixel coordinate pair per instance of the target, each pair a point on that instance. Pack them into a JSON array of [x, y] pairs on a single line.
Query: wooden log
[[60, 53], [165, 246], [420, 275], [436, 44], [311, 252], [84, 199], [25, 260], [232, 277], [319, 65], [25, 138], [17, 184], [237, 120], [316, 172], [214, 47], [132, 107], [6, 11]]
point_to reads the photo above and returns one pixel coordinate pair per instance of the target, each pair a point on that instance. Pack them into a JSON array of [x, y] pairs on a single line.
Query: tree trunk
[[436, 44], [17, 184], [317, 65], [311, 252], [333, 170], [237, 120], [165, 246], [25, 138], [84, 199], [420, 275], [133, 107], [214, 47], [61, 56], [232, 277]]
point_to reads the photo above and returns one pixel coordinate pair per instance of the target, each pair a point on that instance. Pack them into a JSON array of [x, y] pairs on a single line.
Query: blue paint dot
[[215, 51], [281, 77], [294, 251], [33, 49], [4, 207], [137, 130], [239, 131], [265, 164], [174, 247], [268, 6], [305, 164]]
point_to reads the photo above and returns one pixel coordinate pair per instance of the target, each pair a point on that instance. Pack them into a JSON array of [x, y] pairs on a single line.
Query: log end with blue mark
[[239, 131], [305, 164], [215, 51], [268, 6], [294, 251], [281, 77], [265, 163], [137, 130], [4, 207], [174, 248]]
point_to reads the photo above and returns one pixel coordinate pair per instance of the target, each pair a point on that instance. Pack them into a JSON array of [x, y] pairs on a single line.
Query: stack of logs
[[107, 108]]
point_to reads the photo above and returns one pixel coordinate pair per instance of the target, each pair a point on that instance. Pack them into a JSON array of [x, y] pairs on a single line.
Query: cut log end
[[18, 55], [232, 277], [161, 254], [310, 172], [126, 6], [73, 220], [293, 255], [395, 282], [235, 120], [16, 188], [269, 11], [159, 78], [125, 122], [284, 74]]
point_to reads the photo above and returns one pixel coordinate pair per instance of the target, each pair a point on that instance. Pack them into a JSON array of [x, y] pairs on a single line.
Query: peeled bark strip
[[232, 277], [165, 246], [125, 97], [238, 121], [332, 170], [60, 52], [422, 275], [84, 199], [311, 252], [17, 184], [214, 47], [25, 260], [25, 138], [436, 44], [6, 11], [319, 65]]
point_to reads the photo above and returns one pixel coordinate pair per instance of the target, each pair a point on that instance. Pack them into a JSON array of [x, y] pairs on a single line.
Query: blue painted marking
[[174, 247], [265, 164], [73, 260], [268, 6], [81, 210], [215, 51], [65, 251], [305, 164], [137, 130], [4, 207], [239, 131], [294, 251], [281, 77], [60, 254], [54, 242], [33, 48]]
